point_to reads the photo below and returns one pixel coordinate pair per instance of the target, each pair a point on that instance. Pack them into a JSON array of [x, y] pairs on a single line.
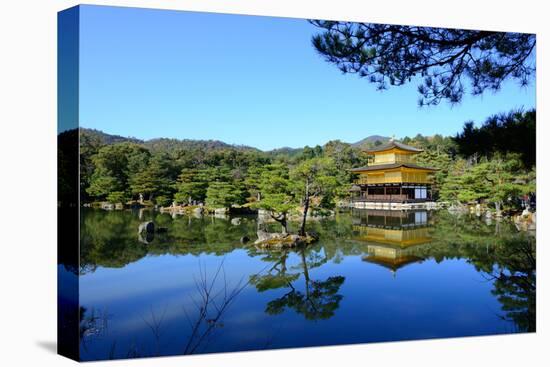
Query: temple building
[[393, 238], [392, 179]]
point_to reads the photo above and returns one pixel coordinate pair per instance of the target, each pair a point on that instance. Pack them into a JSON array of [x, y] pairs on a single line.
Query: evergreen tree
[[111, 169], [277, 197], [513, 132], [192, 185], [441, 60], [223, 195], [156, 179], [314, 178]]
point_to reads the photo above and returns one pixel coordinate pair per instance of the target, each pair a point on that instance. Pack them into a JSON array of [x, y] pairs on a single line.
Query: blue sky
[[244, 80]]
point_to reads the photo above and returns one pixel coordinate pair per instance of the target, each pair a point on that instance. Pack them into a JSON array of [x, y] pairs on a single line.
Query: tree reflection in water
[[514, 283], [319, 300]]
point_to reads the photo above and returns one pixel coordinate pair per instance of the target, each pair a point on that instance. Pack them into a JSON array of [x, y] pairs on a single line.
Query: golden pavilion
[[392, 177]]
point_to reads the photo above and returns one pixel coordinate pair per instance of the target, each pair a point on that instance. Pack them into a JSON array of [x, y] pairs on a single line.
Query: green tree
[[453, 188], [156, 179], [111, 169], [223, 195], [498, 181], [253, 181], [116, 197], [89, 146], [436, 156], [192, 185], [513, 132], [314, 178], [443, 60], [277, 197]]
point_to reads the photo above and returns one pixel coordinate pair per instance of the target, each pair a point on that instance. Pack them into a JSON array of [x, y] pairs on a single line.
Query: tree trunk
[[498, 209], [282, 221], [306, 208], [284, 225], [306, 271]]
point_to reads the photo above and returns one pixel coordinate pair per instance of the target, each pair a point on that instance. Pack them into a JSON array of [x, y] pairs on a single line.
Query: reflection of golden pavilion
[[392, 236]]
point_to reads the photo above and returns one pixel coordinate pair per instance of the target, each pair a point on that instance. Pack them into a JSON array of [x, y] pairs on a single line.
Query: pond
[[374, 276]]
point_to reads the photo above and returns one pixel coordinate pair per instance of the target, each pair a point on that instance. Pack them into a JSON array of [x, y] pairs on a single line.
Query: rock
[[146, 238], [526, 223], [236, 221], [265, 236], [478, 210], [525, 213], [147, 227], [282, 240], [294, 239], [221, 213], [198, 211], [245, 239], [314, 236], [107, 206], [263, 214], [457, 208], [119, 206]]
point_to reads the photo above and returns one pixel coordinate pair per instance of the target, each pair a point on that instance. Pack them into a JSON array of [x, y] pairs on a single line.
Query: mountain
[[171, 145], [369, 141], [107, 138], [162, 144], [285, 151]]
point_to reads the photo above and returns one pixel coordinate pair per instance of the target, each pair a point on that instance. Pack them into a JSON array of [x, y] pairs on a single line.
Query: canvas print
[[234, 183]]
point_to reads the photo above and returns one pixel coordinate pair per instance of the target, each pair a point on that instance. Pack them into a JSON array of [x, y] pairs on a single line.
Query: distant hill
[[168, 144], [171, 145], [108, 138], [163, 144], [286, 151], [370, 141]]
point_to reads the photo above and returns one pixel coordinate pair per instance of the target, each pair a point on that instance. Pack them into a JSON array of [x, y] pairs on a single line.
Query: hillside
[[162, 144], [171, 144], [369, 141], [107, 139]]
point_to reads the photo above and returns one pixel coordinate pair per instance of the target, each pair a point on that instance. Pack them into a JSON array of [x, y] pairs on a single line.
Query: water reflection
[[197, 288], [514, 283], [319, 298], [392, 236]]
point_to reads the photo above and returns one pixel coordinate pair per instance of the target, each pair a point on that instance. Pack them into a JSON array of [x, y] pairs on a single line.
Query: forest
[[492, 163]]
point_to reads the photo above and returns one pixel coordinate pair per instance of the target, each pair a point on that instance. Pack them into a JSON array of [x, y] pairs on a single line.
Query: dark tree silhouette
[[515, 283], [444, 58], [513, 132]]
